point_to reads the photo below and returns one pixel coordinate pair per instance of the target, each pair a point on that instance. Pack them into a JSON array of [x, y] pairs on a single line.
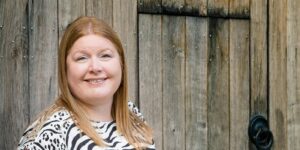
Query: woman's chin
[[98, 99]]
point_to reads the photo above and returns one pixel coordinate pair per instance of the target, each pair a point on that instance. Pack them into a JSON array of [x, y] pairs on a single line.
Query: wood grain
[[211, 8], [173, 6], [217, 8], [68, 11], [240, 8], [278, 72], [125, 24], [173, 41], [259, 59], [239, 84], [43, 47], [293, 72], [196, 7], [149, 6], [218, 85], [196, 83], [150, 71], [14, 88], [258, 55], [102, 9]]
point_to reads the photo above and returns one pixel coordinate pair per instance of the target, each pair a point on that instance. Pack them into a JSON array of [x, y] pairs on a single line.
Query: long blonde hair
[[128, 124]]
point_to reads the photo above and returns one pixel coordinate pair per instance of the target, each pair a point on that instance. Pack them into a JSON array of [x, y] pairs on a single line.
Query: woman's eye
[[106, 56], [80, 58]]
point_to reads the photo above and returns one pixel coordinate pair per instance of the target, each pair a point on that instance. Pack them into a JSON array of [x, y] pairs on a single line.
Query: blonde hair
[[128, 124]]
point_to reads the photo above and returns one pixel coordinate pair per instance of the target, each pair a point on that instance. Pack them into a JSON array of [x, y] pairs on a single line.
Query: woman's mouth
[[96, 81]]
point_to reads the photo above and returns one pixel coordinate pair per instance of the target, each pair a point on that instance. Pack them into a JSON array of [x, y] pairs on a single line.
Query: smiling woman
[[92, 111]]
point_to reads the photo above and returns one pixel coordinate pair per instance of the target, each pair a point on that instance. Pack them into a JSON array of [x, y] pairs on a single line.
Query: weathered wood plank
[[196, 83], [102, 9], [173, 6], [150, 71], [125, 24], [259, 59], [239, 8], [14, 93], [218, 8], [293, 72], [239, 84], [196, 7], [177, 7], [2, 13], [258, 55], [68, 11], [173, 82], [278, 72], [218, 84], [43, 55], [212, 8], [149, 6]]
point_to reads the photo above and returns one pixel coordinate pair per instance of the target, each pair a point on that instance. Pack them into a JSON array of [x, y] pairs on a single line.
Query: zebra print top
[[60, 132]]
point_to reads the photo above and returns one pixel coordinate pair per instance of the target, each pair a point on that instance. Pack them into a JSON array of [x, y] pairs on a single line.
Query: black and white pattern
[[59, 132]]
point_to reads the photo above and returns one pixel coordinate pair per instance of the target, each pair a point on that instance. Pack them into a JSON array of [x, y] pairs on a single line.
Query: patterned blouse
[[59, 132]]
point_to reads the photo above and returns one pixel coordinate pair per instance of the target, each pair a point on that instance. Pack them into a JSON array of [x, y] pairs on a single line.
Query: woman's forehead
[[93, 42]]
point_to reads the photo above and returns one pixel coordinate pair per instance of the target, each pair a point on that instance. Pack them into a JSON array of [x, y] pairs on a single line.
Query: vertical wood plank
[[102, 9], [196, 7], [218, 8], [239, 84], [218, 84], [14, 91], [258, 55], [278, 72], [196, 83], [68, 11], [293, 72], [2, 53], [173, 82], [43, 55], [259, 59], [239, 8], [125, 24], [2, 10], [149, 6], [150, 70]]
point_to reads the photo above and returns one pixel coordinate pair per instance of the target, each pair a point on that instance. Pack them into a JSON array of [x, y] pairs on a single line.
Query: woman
[[92, 111]]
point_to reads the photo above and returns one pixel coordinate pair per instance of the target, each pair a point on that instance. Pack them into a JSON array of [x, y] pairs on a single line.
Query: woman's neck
[[100, 112]]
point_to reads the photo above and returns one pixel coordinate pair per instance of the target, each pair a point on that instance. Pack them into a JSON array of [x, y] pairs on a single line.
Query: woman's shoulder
[[48, 133]]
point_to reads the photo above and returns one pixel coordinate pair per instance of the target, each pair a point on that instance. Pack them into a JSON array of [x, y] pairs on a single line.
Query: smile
[[96, 81]]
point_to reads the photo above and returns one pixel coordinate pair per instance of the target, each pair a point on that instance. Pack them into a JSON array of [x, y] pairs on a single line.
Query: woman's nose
[[95, 66]]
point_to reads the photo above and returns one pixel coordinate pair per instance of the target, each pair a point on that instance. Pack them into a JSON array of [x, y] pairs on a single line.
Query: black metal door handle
[[260, 133]]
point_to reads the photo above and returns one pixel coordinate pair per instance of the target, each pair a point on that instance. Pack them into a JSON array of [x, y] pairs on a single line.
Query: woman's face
[[93, 69]]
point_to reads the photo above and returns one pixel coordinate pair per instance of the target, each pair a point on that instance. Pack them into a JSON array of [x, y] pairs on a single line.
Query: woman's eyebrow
[[106, 49]]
